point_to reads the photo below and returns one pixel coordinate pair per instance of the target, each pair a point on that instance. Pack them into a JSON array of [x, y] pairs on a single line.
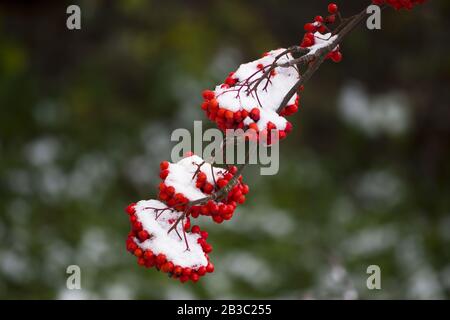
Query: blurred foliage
[[86, 116]]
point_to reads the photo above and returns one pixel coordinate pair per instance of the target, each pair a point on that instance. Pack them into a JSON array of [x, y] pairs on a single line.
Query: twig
[[320, 56]]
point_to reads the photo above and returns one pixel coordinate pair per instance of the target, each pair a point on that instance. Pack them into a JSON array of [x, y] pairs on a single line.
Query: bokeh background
[[86, 117]]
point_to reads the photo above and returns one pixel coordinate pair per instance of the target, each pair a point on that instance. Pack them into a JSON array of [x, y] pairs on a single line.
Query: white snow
[[270, 99], [321, 41], [169, 244], [181, 173]]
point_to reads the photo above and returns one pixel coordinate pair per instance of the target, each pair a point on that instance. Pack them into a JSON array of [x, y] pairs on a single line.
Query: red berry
[[131, 246], [201, 271], [241, 199], [164, 165], [130, 209], [170, 191], [221, 113], [213, 104], [288, 127], [253, 126], [138, 252], [207, 247], [187, 271], [137, 226], [293, 108], [195, 229], [310, 36], [309, 27], [178, 270], [229, 115], [143, 235], [148, 254], [180, 198], [330, 19], [214, 208], [187, 225], [167, 267], [237, 195], [163, 174], [208, 94], [208, 188], [204, 211], [238, 116], [332, 8], [160, 259], [201, 177], [307, 42], [336, 56], [255, 114], [210, 267], [204, 235], [222, 183], [194, 277], [232, 169], [230, 81], [227, 216], [318, 19], [223, 210], [218, 219]]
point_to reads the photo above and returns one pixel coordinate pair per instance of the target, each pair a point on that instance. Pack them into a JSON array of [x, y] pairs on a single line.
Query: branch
[[314, 61], [319, 56]]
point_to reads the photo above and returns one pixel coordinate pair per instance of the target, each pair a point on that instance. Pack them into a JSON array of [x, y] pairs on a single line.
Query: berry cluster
[[241, 102], [226, 119], [153, 246], [191, 179], [316, 32], [399, 4], [161, 235]]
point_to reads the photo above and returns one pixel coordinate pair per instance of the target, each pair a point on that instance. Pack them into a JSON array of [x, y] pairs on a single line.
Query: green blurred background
[[86, 117]]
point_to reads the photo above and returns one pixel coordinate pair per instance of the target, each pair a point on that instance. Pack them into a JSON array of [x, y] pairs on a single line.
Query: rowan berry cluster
[[149, 241], [161, 235], [316, 30], [191, 179], [247, 101]]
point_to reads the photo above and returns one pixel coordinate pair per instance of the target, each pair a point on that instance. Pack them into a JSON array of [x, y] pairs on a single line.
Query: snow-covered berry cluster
[[192, 179], [399, 4], [244, 102], [251, 97], [161, 235], [154, 246]]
